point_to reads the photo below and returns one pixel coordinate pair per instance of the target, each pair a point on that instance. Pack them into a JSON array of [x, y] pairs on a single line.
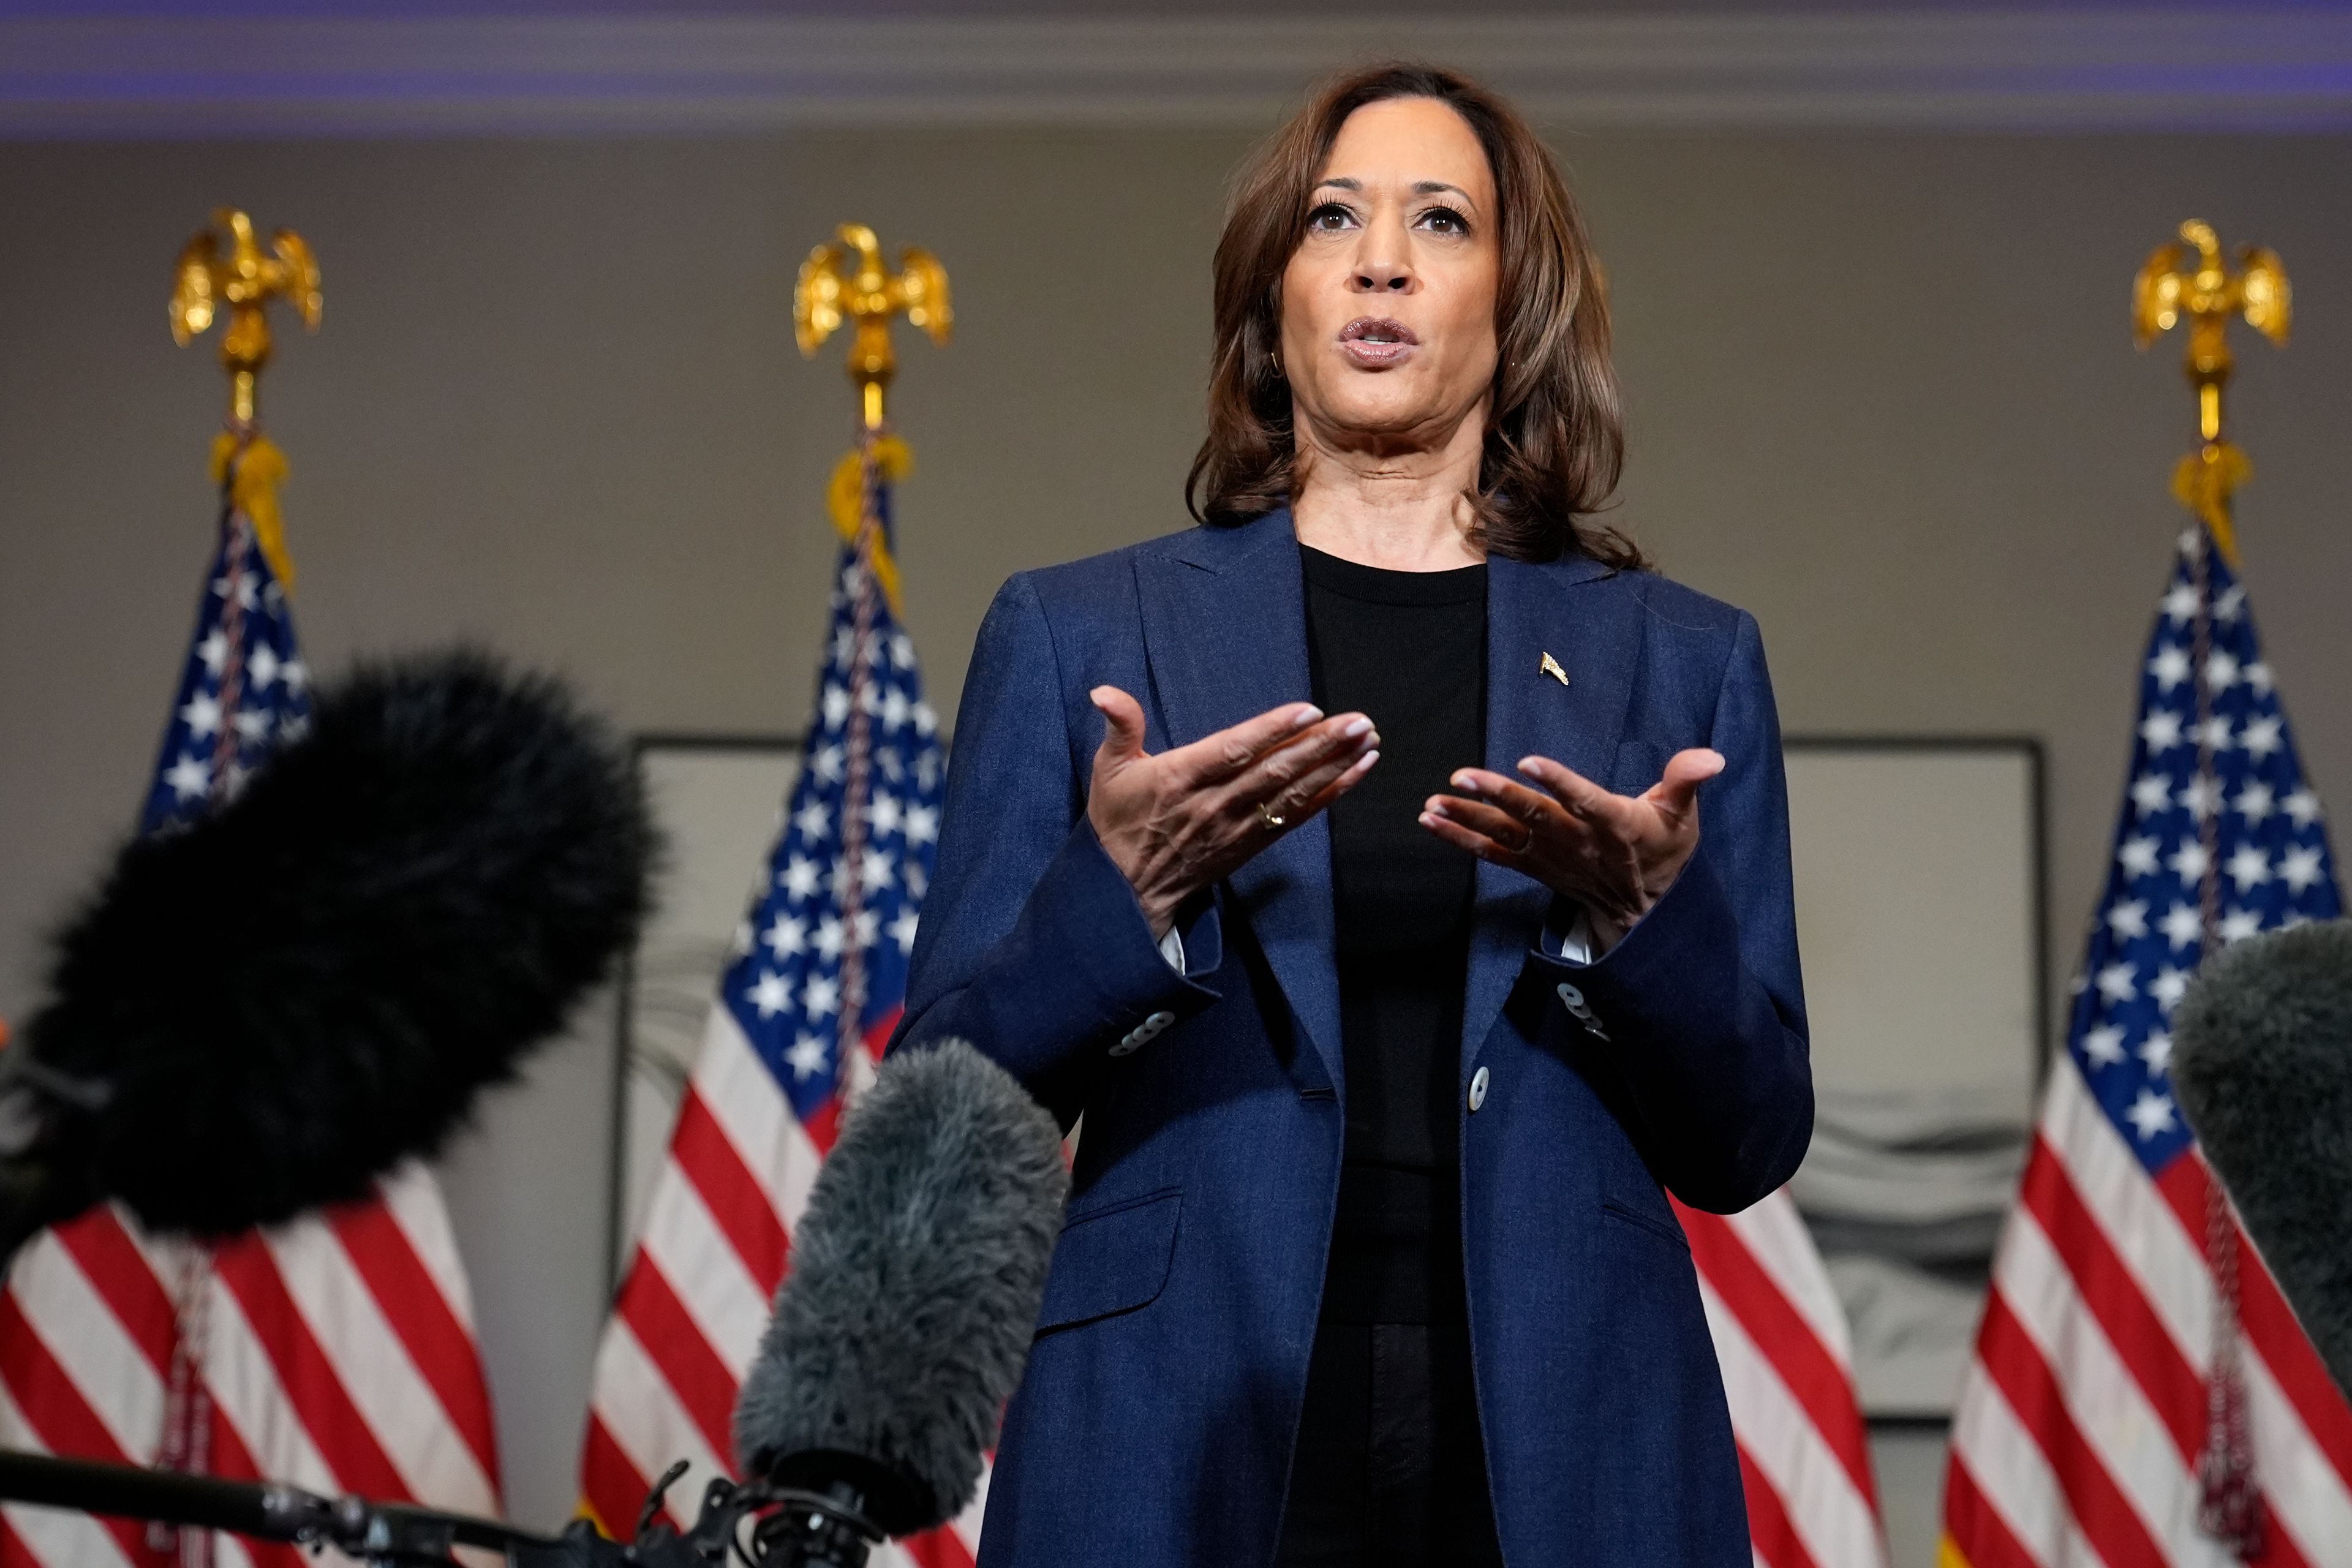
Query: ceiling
[[107, 69]]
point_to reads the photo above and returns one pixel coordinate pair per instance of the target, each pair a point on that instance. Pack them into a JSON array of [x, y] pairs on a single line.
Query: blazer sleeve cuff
[[1081, 971], [1658, 970]]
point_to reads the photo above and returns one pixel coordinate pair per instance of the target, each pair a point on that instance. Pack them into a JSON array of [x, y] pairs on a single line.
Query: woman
[[1387, 1058]]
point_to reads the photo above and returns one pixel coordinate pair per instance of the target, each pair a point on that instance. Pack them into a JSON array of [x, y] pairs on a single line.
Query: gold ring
[[1265, 813]]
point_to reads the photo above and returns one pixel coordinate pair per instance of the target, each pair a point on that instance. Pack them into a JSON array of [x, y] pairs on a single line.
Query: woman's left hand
[[1616, 855]]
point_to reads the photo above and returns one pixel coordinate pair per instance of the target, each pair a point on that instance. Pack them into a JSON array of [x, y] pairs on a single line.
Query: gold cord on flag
[[2209, 295]]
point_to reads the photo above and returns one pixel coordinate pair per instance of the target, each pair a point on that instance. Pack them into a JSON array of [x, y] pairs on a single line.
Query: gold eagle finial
[[846, 280], [240, 277], [2187, 279]]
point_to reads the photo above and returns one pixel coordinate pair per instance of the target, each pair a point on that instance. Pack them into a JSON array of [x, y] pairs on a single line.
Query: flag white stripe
[[1775, 1235], [643, 1416], [1830, 1516], [244, 1381], [413, 1199], [52, 1534], [2165, 1263], [91, 1347], [743, 1100], [735, 1084], [2110, 1409], [374, 1368], [705, 1272], [2306, 1494], [2014, 1478]]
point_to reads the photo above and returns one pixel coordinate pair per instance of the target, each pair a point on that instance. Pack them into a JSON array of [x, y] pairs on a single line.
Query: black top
[[1408, 649]]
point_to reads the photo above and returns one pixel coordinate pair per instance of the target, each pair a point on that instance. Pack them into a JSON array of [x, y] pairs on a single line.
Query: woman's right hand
[[1187, 818]]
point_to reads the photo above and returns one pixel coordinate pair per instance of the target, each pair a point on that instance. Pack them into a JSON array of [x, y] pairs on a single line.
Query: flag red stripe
[[2270, 1323], [62, 1420], [2108, 1289], [615, 1490], [124, 1279], [823, 1125], [1770, 1531], [317, 1395], [1805, 1365], [231, 1461], [674, 1343], [941, 1548], [2009, 1356], [1979, 1532], [412, 1303], [729, 1189]]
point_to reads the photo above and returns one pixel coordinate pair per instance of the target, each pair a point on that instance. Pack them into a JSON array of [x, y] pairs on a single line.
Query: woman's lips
[[1376, 343]]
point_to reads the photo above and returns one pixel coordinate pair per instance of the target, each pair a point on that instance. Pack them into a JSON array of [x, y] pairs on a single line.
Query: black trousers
[[1389, 1471]]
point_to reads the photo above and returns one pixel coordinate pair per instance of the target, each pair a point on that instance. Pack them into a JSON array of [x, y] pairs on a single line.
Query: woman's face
[[1388, 304]]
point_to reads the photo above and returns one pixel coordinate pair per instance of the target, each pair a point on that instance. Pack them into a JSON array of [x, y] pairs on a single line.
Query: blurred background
[[1869, 268]]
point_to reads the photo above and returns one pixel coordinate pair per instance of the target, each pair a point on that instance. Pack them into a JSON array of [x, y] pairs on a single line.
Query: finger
[[1580, 796], [1352, 775], [1122, 741], [1332, 744], [1512, 833], [1530, 806], [1676, 795], [1462, 838], [1291, 799], [1212, 759]]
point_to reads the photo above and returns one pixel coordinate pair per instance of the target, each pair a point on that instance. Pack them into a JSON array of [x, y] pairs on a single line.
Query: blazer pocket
[[1112, 1260], [1659, 1224]]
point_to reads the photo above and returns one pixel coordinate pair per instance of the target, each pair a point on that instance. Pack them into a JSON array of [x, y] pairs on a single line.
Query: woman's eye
[[1328, 218], [1445, 220]]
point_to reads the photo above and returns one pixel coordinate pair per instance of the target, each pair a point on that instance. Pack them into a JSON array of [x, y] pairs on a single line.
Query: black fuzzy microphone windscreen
[[2262, 1058], [917, 1274], [265, 1010]]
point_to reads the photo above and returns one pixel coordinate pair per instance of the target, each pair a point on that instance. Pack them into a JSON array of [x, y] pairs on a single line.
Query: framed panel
[[1918, 867]]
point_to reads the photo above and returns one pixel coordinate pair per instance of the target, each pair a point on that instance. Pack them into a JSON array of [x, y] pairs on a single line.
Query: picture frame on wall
[[1919, 867]]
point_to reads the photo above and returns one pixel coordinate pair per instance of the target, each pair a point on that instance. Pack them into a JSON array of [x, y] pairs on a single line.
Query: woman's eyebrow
[[1420, 187]]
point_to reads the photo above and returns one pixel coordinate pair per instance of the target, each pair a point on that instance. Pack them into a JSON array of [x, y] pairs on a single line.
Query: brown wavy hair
[[1555, 435]]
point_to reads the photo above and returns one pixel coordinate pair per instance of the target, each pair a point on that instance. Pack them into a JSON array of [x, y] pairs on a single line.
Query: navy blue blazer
[[1155, 1424]]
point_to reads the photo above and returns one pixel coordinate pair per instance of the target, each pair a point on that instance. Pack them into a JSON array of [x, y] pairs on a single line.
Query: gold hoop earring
[[1274, 358]]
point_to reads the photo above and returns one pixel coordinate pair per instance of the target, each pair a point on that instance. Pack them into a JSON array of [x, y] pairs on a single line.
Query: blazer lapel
[[1594, 636], [1224, 631]]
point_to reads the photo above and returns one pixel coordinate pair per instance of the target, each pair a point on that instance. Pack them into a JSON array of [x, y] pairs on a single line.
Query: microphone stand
[[384, 1535]]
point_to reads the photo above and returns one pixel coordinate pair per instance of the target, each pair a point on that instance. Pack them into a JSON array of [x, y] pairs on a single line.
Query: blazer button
[[1157, 1022], [1477, 1089], [1570, 994]]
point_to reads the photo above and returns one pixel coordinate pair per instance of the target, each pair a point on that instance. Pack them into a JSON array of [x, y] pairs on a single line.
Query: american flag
[[1787, 1374], [2117, 1388], [336, 1352], [817, 983]]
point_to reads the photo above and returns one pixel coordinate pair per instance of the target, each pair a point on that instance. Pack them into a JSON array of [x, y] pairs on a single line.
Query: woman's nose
[[1380, 268]]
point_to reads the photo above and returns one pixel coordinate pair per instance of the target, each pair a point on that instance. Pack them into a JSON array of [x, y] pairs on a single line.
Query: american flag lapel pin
[[1550, 666]]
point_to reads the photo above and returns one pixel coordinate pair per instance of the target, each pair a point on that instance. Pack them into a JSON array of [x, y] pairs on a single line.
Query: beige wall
[[1881, 395]]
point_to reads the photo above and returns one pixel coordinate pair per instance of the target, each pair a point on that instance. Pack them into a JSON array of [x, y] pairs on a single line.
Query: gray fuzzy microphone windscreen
[[2261, 1058], [917, 1273]]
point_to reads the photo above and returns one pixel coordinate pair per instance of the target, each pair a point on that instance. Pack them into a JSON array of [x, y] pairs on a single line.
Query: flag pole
[[845, 279], [2207, 293]]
